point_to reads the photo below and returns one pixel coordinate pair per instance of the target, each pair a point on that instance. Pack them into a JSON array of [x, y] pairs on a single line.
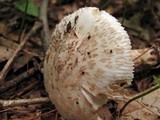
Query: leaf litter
[[140, 18]]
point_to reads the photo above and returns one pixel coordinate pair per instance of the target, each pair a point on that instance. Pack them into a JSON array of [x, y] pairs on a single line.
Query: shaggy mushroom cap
[[88, 57]]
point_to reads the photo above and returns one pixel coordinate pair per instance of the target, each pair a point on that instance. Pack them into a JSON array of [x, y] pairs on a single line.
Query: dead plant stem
[[7, 67]]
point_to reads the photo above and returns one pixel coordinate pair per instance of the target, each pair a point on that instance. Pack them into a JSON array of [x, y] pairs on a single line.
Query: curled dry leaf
[[145, 56], [89, 55], [145, 108]]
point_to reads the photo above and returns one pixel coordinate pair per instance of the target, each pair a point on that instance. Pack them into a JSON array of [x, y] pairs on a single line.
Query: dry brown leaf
[[3, 29], [5, 53], [13, 45], [21, 61], [145, 108]]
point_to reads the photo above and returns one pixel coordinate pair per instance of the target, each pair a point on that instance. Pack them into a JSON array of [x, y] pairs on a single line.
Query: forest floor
[[22, 50]]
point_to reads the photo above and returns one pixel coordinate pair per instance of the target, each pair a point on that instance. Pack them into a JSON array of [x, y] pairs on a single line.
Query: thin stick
[[105, 4], [6, 68], [13, 45], [11, 83], [23, 19], [40, 115], [45, 32], [138, 96], [19, 102], [124, 13]]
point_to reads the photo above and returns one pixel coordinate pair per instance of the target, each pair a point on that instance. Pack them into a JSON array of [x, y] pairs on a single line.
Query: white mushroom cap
[[89, 54]]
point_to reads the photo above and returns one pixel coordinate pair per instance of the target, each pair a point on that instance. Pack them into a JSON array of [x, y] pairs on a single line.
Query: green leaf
[[156, 79], [32, 9]]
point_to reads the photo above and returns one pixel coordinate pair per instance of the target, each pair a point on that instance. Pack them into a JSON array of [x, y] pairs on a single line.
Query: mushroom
[[88, 58]]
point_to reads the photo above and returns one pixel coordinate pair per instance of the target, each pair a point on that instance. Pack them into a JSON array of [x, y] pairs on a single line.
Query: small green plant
[[152, 89], [157, 80], [32, 9]]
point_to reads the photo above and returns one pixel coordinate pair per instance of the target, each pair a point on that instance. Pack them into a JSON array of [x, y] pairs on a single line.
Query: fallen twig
[[11, 83], [6, 68], [27, 88], [13, 45], [45, 32], [44, 114], [19, 102]]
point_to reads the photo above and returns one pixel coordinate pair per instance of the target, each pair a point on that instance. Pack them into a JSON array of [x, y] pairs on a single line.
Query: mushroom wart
[[88, 57]]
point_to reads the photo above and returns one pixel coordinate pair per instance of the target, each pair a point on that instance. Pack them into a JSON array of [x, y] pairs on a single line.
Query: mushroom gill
[[88, 57]]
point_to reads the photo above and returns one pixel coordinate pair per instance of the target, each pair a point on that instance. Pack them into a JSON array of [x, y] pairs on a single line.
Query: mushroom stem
[[145, 56]]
